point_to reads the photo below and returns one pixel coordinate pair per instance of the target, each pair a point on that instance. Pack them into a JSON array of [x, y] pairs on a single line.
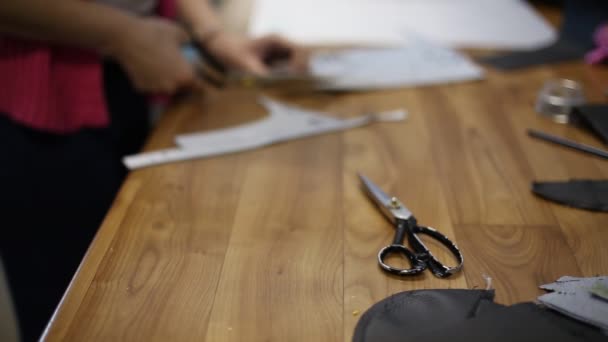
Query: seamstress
[[73, 79]]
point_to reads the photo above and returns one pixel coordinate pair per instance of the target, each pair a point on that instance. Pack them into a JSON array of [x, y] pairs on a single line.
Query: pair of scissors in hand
[[419, 256], [215, 73]]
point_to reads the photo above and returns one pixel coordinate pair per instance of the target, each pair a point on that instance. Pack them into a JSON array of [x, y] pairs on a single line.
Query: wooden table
[[280, 243]]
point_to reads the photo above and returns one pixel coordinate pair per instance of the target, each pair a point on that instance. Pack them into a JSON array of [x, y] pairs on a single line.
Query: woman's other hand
[[256, 56]]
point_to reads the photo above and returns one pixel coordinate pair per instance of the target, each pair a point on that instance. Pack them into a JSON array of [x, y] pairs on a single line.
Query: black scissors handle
[[418, 265], [421, 257], [397, 248], [439, 269]]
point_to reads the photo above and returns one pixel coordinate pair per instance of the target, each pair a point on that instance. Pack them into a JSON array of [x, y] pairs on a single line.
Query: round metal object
[[557, 98]]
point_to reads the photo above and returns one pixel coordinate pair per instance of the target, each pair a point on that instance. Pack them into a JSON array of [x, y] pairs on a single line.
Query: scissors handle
[[418, 265], [200, 59], [439, 270]]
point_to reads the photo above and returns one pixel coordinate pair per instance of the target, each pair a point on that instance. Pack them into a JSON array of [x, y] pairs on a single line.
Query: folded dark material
[[465, 315], [594, 118], [581, 19], [561, 51], [418, 312], [577, 193], [525, 322]]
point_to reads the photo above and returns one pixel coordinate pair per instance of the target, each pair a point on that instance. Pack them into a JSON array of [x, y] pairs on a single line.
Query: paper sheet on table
[[574, 297], [420, 63], [502, 24], [285, 122]]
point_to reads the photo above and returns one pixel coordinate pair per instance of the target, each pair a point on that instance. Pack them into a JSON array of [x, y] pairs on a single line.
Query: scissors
[[214, 72], [420, 257]]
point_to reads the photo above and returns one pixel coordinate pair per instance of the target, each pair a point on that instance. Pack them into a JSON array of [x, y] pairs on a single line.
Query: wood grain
[[517, 258], [285, 260], [482, 166], [583, 230], [397, 157], [280, 243]]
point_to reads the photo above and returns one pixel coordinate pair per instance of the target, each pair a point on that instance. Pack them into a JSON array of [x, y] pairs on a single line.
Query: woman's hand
[[256, 56], [150, 52]]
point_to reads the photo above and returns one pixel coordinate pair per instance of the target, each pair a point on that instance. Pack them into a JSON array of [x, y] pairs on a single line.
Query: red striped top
[[52, 88]]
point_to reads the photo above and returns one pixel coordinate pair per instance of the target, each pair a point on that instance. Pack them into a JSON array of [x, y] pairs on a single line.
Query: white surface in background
[[509, 24]]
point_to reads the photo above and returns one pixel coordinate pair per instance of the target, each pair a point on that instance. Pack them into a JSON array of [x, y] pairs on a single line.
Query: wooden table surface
[[280, 243]]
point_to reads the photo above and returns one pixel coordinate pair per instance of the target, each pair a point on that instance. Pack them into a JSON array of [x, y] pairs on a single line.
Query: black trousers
[[54, 193]]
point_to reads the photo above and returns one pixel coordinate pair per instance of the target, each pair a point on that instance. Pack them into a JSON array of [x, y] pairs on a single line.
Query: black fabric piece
[[581, 19], [560, 51], [549, 2], [594, 118], [583, 194], [418, 312], [466, 315], [54, 193], [525, 322]]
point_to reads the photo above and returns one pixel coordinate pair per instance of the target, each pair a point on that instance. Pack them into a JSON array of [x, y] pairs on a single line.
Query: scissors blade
[[392, 208], [211, 70], [277, 79]]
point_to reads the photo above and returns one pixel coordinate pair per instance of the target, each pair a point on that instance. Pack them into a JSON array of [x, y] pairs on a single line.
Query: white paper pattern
[[283, 123], [572, 297]]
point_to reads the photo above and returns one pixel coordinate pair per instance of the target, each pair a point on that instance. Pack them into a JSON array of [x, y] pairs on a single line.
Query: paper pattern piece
[[284, 123], [573, 296], [420, 63], [498, 24]]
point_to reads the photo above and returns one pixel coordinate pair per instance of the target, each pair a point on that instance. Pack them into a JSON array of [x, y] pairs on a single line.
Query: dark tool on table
[[569, 143], [419, 257], [214, 72]]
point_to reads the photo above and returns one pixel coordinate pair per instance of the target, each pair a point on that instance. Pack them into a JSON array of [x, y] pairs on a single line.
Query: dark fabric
[[580, 193], [465, 315], [548, 2], [55, 191], [581, 19], [412, 313], [577, 193], [561, 51], [594, 118], [525, 322]]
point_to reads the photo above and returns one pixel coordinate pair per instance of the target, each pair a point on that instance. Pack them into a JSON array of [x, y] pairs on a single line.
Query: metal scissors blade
[[392, 208], [212, 71], [278, 78]]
